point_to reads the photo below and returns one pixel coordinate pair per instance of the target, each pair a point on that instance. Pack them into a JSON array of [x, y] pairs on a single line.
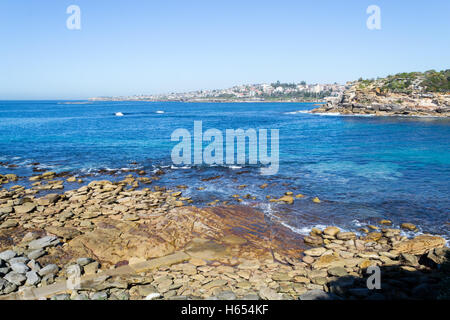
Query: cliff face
[[410, 94]]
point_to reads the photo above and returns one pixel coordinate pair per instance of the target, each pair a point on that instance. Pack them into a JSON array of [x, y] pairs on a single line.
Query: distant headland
[[403, 94]]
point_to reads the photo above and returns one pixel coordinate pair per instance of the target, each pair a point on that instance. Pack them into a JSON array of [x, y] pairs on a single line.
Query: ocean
[[363, 169]]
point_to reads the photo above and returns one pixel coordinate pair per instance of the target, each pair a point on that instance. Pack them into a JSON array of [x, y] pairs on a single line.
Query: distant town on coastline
[[404, 83], [277, 91]]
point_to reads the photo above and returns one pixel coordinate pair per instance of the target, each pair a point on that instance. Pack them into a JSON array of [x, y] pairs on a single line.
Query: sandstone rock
[[408, 226], [32, 278], [328, 261], [315, 252], [281, 276], [331, 231], [48, 199], [287, 198], [313, 240], [316, 200], [99, 296], [6, 210], [346, 235], [420, 244], [409, 259], [337, 272], [65, 233], [373, 236], [91, 268], [24, 208], [19, 267], [228, 295], [11, 177], [7, 255], [44, 242], [84, 261], [269, 294], [16, 278], [10, 223], [438, 255], [48, 270]]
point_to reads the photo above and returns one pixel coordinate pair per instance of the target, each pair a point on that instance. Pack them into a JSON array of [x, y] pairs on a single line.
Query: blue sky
[[138, 47]]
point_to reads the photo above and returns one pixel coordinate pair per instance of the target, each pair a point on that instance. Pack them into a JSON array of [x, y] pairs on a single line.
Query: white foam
[[176, 168], [296, 112]]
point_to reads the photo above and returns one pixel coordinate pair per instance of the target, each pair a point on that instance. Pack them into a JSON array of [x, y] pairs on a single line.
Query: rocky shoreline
[[370, 99], [112, 241]]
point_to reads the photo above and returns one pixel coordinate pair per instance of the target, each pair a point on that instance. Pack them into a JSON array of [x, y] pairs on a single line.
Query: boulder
[[313, 240], [346, 235], [420, 244], [328, 261], [408, 226], [287, 198], [315, 252], [331, 231], [65, 233], [44, 242], [48, 199], [269, 294], [25, 208]]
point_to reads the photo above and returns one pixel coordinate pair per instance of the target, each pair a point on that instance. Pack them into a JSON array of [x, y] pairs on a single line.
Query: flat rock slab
[[44, 242], [96, 280]]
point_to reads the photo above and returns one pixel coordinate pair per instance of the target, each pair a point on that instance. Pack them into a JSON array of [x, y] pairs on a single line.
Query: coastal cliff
[[403, 94]]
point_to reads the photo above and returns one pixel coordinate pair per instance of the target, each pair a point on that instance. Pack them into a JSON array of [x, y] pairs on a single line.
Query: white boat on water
[[119, 114], [159, 111]]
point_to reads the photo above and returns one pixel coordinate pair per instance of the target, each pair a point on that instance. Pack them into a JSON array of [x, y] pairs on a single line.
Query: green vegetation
[[407, 82], [437, 81]]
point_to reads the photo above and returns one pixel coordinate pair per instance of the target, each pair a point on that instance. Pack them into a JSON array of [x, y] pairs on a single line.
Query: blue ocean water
[[362, 168]]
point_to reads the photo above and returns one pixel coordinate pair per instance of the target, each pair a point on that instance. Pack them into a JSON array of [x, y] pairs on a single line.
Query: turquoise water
[[362, 168]]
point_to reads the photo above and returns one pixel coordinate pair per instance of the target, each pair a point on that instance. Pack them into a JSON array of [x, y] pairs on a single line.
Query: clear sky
[[156, 46]]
